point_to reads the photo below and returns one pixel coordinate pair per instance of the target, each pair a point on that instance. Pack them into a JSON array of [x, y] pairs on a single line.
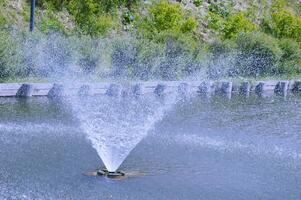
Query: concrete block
[[26, 90], [226, 87], [84, 90], [99, 88], [41, 89], [206, 87], [297, 86], [263, 86], [291, 85], [148, 87], [9, 89], [183, 89], [282, 87], [138, 89], [56, 91], [245, 88], [236, 87], [160, 89], [114, 90]]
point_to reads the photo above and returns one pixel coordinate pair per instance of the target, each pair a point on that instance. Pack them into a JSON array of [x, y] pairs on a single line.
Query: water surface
[[203, 149]]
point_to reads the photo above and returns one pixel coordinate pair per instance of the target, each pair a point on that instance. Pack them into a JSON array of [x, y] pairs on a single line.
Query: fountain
[[116, 124]]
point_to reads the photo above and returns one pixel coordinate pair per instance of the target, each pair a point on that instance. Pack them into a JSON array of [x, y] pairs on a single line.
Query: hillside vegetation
[[142, 39]]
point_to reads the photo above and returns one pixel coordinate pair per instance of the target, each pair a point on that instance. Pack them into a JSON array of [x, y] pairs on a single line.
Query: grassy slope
[[16, 13]]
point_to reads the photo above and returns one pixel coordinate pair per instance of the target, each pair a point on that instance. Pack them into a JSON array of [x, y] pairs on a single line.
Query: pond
[[203, 148]]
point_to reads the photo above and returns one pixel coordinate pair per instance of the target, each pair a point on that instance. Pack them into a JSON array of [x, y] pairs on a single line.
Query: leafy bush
[[54, 4], [2, 20], [10, 60], [91, 16], [215, 21], [197, 3], [258, 55], [145, 59], [49, 23], [281, 22], [165, 17], [2, 16], [107, 5], [285, 24], [291, 57], [236, 24], [189, 25], [220, 8]]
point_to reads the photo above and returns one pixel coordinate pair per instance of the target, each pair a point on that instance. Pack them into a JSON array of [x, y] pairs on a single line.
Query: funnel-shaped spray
[[115, 125]]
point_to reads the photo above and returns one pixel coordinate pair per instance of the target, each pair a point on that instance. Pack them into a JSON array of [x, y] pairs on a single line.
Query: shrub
[[222, 9], [123, 58], [50, 55], [91, 16], [2, 20], [189, 25], [145, 59], [54, 4], [215, 21], [2, 15], [10, 60], [282, 23], [291, 57], [107, 5], [258, 55], [222, 59], [236, 24], [285, 24], [50, 23], [165, 17], [197, 3]]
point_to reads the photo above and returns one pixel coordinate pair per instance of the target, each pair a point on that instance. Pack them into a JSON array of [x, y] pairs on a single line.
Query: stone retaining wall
[[140, 88]]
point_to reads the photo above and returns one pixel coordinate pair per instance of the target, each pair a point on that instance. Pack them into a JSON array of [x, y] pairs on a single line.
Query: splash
[[115, 125]]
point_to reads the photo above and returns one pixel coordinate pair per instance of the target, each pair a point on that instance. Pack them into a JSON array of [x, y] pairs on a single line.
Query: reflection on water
[[204, 148]]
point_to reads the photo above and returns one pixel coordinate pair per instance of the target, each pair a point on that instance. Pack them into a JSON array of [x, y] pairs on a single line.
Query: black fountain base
[[106, 173], [118, 175]]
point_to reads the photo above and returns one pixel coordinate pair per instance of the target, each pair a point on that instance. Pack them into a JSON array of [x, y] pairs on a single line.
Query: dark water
[[204, 149]]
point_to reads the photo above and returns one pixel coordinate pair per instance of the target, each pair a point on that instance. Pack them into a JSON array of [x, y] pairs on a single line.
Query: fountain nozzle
[[105, 172]]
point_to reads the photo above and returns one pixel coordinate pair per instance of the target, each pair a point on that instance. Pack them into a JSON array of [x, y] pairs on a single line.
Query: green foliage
[[167, 20], [259, 54], [146, 59], [221, 8], [127, 17], [167, 17], [54, 4], [10, 60], [3, 20], [189, 25], [215, 21], [167, 43], [91, 16], [107, 5], [226, 23], [50, 23], [284, 24], [291, 57], [277, 5], [111, 5], [197, 3], [236, 24]]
